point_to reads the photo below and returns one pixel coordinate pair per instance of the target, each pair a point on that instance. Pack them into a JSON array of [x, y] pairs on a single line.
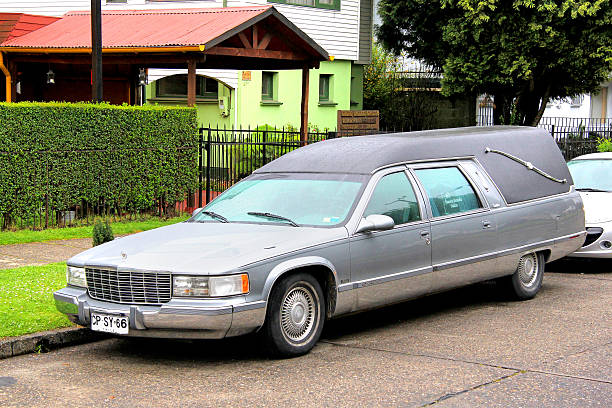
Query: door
[[393, 265], [463, 229]]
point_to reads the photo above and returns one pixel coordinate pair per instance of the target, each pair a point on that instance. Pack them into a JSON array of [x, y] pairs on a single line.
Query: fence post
[[264, 140], [200, 165], [208, 153]]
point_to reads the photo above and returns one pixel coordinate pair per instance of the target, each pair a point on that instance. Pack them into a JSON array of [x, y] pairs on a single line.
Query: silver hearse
[[338, 227]]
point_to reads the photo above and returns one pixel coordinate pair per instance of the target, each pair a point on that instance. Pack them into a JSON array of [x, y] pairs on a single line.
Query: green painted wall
[[208, 110], [357, 87], [288, 90], [346, 85]]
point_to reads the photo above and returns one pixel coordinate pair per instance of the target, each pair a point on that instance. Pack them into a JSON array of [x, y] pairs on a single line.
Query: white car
[[592, 174]]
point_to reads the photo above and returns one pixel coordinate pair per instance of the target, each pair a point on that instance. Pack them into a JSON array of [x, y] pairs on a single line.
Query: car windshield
[[591, 175], [290, 199]]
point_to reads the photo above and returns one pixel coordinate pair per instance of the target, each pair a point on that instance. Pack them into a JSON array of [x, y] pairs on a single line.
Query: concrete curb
[[46, 341]]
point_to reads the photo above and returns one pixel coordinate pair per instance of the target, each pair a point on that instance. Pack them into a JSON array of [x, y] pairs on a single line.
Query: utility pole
[[96, 51]]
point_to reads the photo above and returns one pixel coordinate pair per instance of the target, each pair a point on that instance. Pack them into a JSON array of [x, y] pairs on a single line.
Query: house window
[[324, 81], [324, 4], [267, 86], [176, 86], [577, 100]]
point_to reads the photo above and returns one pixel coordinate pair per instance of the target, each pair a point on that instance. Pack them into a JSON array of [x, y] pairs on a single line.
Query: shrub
[[604, 145], [120, 158], [102, 232]]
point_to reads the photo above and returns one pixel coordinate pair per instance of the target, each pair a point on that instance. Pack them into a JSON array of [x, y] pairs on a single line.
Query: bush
[[110, 158], [604, 145], [102, 232]]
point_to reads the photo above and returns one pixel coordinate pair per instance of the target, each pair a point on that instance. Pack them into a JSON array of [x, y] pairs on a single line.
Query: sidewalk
[[41, 253]]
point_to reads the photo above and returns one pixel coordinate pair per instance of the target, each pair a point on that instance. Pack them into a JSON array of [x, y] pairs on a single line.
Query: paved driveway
[[470, 347]]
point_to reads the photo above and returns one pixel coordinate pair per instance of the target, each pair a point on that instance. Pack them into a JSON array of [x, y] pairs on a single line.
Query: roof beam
[[255, 53]]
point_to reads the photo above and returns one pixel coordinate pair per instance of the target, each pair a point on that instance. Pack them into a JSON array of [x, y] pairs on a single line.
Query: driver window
[[394, 196]]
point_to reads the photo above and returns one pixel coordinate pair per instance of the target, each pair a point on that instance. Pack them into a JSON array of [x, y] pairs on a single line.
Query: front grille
[[128, 286], [593, 234]]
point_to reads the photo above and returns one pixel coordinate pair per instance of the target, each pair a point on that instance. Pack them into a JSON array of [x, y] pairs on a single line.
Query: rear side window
[[448, 190], [394, 196]]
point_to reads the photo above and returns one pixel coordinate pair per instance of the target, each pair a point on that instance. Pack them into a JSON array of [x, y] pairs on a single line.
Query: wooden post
[[96, 51], [304, 110], [191, 82]]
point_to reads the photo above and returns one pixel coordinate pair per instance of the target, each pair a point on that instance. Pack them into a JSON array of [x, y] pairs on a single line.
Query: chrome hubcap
[[528, 269], [298, 314]]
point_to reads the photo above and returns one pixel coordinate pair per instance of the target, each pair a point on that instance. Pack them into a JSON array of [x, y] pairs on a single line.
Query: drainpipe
[[7, 74], [235, 107]]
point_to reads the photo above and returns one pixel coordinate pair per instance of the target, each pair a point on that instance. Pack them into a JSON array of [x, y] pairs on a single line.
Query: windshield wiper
[[592, 190], [268, 215], [215, 216]]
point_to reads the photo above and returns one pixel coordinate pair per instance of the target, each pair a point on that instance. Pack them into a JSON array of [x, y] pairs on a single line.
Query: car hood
[[597, 207], [204, 248]]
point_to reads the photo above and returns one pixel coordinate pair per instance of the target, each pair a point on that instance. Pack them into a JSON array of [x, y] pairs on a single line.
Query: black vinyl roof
[[365, 154]]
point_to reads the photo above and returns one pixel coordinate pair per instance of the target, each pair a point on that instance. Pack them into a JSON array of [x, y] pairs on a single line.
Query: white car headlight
[[210, 286], [76, 276]]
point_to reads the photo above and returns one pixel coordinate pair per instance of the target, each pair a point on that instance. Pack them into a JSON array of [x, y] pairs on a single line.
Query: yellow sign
[[246, 75]]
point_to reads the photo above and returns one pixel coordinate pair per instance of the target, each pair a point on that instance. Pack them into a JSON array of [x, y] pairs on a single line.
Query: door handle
[[486, 224], [425, 236]]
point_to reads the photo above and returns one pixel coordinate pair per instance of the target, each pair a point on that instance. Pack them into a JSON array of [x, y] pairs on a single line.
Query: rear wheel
[[295, 316], [527, 280]]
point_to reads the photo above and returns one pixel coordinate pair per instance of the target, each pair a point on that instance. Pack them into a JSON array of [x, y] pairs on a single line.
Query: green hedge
[[114, 158]]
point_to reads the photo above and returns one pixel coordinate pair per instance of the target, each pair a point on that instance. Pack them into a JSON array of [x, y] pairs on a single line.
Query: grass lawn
[[119, 228], [26, 299]]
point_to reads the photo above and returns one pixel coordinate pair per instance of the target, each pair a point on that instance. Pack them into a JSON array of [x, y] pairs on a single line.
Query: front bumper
[[596, 249], [179, 318]]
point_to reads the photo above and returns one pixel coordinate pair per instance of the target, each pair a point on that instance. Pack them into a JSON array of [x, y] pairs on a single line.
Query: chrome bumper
[[596, 248], [186, 319]]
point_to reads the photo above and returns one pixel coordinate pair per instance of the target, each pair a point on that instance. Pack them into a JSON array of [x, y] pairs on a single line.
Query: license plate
[[109, 323]]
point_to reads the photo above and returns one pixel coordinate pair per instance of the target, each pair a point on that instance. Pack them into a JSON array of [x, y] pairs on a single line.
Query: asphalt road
[[465, 348]]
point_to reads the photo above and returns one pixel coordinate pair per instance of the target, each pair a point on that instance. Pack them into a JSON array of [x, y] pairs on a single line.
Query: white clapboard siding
[[337, 31], [58, 8], [227, 76]]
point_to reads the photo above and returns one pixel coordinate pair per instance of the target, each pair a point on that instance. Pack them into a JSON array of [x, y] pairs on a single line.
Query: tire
[[526, 282], [295, 316]]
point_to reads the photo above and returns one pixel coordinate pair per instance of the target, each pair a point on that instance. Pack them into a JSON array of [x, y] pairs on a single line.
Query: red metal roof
[[139, 28], [13, 25]]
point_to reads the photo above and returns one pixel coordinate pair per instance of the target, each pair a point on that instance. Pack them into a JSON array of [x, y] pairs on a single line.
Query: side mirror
[[197, 210], [375, 222]]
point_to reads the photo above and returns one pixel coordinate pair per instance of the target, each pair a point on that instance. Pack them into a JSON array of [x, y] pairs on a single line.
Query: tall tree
[[523, 52]]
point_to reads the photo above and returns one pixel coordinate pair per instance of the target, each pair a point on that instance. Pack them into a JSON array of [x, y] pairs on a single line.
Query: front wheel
[[295, 316], [527, 280]]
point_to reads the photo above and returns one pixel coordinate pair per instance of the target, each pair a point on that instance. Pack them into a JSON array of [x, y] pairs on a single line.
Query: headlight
[[210, 286], [76, 276]]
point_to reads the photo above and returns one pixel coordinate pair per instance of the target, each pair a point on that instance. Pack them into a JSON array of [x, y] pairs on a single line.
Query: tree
[[385, 81], [523, 52]]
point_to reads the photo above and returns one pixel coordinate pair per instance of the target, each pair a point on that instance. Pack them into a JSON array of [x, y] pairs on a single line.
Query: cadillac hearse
[[338, 227]]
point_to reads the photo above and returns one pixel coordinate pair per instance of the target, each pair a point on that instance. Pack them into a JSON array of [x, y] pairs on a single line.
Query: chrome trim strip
[[405, 163], [65, 298], [382, 279], [196, 311], [447, 265], [527, 164], [250, 306], [490, 255]]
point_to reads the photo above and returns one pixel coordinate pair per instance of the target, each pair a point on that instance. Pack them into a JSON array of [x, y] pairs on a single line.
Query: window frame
[[371, 187], [268, 97], [203, 95], [327, 96], [336, 4], [475, 187]]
